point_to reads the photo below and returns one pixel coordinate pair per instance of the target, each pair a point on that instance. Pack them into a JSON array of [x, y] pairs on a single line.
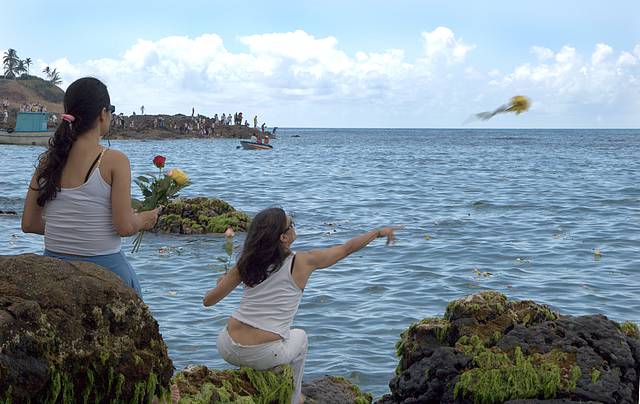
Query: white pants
[[292, 351]]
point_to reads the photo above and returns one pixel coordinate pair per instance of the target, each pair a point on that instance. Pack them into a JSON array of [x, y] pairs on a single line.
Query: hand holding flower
[[148, 219]]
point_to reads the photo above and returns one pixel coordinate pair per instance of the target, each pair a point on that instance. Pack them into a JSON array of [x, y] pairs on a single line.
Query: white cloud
[[541, 52], [626, 59], [570, 84], [296, 78], [441, 43], [601, 54]]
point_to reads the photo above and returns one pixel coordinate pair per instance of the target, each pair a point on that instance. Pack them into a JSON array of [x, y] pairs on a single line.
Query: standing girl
[[258, 334], [80, 193]]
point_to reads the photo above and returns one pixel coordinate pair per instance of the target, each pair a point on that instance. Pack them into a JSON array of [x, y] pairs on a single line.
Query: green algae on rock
[[200, 216], [74, 332], [487, 349], [198, 384]]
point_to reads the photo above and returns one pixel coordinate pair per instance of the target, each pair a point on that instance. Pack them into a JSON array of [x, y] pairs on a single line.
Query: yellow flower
[[178, 176], [519, 104]]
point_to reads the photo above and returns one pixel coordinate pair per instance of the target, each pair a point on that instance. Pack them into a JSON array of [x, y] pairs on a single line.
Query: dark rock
[[491, 350], [74, 332], [334, 390]]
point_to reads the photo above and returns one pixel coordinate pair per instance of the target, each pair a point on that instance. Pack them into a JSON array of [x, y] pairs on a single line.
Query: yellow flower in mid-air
[[519, 104], [178, 176]]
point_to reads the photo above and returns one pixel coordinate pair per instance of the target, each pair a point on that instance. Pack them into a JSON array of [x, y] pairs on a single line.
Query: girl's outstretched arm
[[226, 284], [323, 258]]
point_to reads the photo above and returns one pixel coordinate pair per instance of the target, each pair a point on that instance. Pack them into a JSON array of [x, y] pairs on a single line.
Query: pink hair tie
[[67, 117]]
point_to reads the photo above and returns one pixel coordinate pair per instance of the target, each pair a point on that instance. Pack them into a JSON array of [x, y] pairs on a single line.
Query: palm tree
[[21, 68], [46, 71], [54, 77], [28, 62], [10, 61]]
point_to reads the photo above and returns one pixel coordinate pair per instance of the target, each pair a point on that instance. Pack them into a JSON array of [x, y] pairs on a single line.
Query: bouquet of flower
[[157, 191]]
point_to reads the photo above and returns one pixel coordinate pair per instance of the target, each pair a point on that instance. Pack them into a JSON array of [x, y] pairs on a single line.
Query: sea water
[[522, 212]]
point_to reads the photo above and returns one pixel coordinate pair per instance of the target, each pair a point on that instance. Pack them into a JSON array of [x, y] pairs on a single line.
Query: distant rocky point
[[28, 89]]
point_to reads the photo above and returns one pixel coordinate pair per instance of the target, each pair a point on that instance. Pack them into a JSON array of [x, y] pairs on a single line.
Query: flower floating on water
[[427, 237], [597, 254], [479, 273], [517, 104]]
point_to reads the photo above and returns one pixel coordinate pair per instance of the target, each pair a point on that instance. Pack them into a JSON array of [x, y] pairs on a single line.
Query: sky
[[349, 63]]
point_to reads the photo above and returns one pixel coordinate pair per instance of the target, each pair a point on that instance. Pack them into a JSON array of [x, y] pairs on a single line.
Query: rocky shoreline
[[73, 332], [166, 127]]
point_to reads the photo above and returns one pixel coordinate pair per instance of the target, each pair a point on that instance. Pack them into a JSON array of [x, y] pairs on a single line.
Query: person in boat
[[79, 197], [254, 139], [258, 334], [266, 139]]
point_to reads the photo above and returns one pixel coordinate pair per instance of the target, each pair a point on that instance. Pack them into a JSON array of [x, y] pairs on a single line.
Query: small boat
[[247, 145], [31, 129]]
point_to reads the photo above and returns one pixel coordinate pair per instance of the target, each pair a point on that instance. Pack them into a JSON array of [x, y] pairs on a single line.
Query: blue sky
[[348, 63]]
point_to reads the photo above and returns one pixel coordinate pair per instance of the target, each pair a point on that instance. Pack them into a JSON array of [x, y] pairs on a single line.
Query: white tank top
[[78, 221], [272, 304]]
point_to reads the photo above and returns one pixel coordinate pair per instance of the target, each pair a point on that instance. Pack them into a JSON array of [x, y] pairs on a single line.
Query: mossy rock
[[488, 349], [499, 376], [74, 332], [198, 384], [201, 216]]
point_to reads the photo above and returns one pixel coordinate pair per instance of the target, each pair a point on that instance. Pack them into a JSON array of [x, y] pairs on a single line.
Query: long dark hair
[[84, 99], [263, 251]]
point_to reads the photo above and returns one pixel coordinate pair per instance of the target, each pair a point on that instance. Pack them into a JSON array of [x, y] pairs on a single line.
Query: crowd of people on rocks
[[33, 107], [24, 107], [195, 124]]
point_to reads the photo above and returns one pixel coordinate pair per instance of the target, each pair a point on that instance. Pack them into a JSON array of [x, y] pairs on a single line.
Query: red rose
[[158, 161]]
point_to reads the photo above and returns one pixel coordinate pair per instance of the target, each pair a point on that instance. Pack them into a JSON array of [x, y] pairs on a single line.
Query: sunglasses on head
[[291, 225], [111, 108]]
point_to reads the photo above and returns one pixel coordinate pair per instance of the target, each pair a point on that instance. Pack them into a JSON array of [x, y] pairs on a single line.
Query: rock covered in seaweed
[[74, 332], [334, 389], [200, 216], [487, 349], [199, 384]]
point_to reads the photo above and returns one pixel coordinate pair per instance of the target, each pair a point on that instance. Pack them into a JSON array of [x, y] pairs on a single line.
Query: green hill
[[31, 89]]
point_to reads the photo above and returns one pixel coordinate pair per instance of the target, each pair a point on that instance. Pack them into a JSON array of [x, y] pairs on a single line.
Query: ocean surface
[[517, 211]]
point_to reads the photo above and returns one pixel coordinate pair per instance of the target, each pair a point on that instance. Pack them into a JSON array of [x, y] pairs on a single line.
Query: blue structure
[[32, 121]]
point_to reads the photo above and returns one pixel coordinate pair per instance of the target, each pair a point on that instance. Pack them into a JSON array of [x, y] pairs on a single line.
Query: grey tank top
[[272, 304]]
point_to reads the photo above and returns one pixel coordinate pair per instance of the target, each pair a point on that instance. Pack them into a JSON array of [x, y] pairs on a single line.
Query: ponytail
[[84, 100]]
